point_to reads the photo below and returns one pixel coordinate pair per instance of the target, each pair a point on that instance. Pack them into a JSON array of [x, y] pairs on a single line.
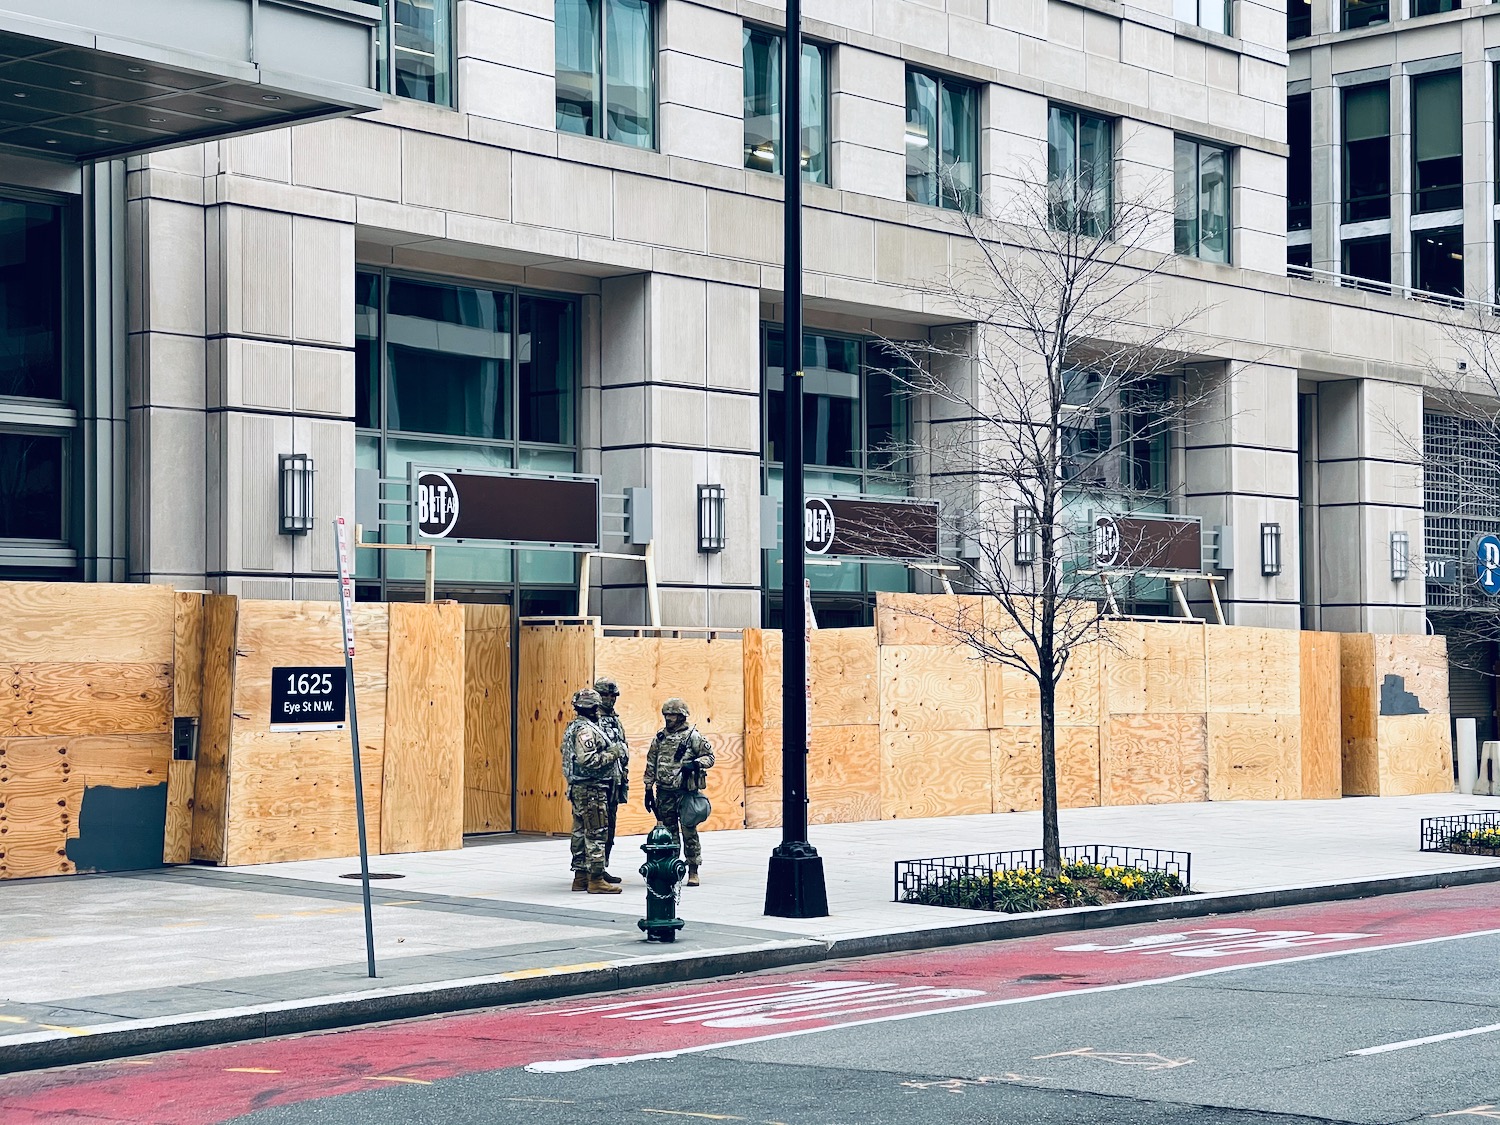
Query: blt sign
[[437, 504], [1487, 564]]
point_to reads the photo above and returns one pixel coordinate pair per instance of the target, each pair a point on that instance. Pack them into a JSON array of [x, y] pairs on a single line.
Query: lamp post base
[[794, 884]]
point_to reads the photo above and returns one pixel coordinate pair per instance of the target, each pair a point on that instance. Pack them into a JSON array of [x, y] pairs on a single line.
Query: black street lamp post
[[794, 884]]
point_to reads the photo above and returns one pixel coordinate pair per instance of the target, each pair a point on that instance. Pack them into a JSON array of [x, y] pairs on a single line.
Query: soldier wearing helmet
[[609, 723], [589, 761], [675, 766]]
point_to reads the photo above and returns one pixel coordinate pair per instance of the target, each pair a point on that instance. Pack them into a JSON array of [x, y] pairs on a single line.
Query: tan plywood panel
[[1360, 698], [1420, 662], [935, 773], [39, 801], [845, 675], [187, 655], [1416, 755], [1254, 757], [1153, 759], [1154, 668], [1322, 738], [844, 770], [555, 661], [41, 699], [1014, 699], [930, 688], [120, 761], [422, 796], [487, 718], [928, 619], [177, 841], [1017, 756], [211, 778], [86, 623], [1253, 671], [755, 706]]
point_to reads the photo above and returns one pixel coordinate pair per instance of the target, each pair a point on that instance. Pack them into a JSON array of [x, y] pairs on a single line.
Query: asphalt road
[[1386, 1010]]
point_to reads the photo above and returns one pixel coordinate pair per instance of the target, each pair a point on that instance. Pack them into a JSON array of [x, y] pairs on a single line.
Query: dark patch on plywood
[[1396, 700], [120, 829]]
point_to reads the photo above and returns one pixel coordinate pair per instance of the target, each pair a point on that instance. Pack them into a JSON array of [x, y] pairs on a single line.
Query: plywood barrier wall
[[86, 704], [1395, 715], [1320, 687], [487, 712], [556, 661]]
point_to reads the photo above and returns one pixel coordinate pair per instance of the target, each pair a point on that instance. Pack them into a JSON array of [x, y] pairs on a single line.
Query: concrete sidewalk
[[102, 966]]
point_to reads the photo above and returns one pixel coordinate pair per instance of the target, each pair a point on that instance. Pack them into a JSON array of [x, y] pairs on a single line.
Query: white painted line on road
[[1422, 1042], [563, 1066]]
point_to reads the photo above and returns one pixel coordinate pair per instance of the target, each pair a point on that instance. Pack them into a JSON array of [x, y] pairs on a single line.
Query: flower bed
[[1475, 834], [1015, 882]]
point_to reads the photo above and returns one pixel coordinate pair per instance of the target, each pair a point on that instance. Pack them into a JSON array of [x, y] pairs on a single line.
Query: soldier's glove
[[624, 792], [650, 799]]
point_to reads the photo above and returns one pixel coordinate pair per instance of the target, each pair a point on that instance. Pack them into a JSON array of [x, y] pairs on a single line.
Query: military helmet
[[675, 706], [606, 686], [585, 698]]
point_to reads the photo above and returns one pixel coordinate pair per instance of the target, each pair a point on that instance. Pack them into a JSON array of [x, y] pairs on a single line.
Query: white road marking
[[563, 1066], [1148, 1060], [1422, 1042], [1215, 942]]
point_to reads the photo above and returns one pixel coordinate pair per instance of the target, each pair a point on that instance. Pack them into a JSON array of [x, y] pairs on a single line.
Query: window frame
[[1346, 244], [1436, 7], [1379, 11], [1416, 262], [386, 47], [1180, 7], [1299, 215], [600, 9], [944, 82], [825, 51], [1300, 25], [1350, 204], [1079, 117], [1418, 192], [1198, 149]]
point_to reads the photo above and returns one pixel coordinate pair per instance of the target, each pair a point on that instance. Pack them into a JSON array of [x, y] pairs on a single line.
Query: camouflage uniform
[[609, 723], [588, 759], [674, 768]]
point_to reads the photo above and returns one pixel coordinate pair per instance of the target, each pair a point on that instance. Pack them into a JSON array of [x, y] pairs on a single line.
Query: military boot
[[598, 886], [608, 878], [580, 880], [692, 879]]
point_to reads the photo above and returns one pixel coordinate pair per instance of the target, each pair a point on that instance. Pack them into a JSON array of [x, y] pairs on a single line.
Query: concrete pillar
[[700, 85], [868, 113], [507, 67]]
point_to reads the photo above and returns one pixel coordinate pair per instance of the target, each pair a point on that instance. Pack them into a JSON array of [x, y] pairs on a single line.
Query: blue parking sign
[[1487, 563]]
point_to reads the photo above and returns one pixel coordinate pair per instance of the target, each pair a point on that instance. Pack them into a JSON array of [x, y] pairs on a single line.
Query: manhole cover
[[374, 875]]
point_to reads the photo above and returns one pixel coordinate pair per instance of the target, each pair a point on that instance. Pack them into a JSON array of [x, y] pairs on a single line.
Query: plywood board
[[1252, 671], [178, 838], [37, 699], [1420, 664], [844, 671], [753, 663], [1014, 699], [422, 796], [1254, 757], [86, 623], [935, 772], [555, 661], [39, 802], [187, 655], [1359, 698], [211, 779], [844, 770], [1153, 759], [931, 688], [1416, 755], [487, 718], [927, 619], [1017, 756], [1322, 739], [706, 674], [1150, 668]]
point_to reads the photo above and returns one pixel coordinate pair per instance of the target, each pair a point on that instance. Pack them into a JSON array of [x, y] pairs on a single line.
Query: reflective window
[[1432, 7], [942, 142], [415, 51], [1367, 153], [1363, 13], [1201, 176], [763, 89], [1299, 162], [606, 70], [1437, 141], [1300, 256], [449, 353], [1298, 19], [1368, 258], [31, 485], [1438, 258], [1210, 14], [1080, 171]]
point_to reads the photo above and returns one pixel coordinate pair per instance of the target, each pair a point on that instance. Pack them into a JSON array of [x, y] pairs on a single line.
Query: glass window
[[415, 50], [366, 350], [546, 365], [1437, 141], [1363, 13], [1298, 19], [1368, 258], [31, 300], [606, 70], [1439, 261], [31, 485], [1299, 162], [1210, 14], [1201, 175], [1367, 153], [1080, 171], [1300, 256], [449, 354], [1432, 7], [762, 57], [942, 142]]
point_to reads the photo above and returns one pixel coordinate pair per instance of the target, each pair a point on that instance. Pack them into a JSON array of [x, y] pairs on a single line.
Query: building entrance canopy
[[85, 80]]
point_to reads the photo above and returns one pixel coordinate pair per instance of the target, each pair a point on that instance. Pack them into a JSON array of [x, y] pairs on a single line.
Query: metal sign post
[[346, 612]]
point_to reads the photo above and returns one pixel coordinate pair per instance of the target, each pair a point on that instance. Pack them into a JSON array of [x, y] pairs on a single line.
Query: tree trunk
[[1051, 840]]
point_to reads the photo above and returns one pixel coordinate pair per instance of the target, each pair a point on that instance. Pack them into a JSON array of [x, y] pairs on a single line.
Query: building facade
[[555, 248]]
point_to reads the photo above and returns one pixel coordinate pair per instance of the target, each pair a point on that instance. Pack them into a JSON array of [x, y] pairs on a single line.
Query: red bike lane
[[209, 1085]]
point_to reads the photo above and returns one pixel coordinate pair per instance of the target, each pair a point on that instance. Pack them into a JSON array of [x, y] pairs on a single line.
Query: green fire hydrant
[[663, 872]]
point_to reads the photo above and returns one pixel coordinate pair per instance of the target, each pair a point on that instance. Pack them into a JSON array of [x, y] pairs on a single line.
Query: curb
[[137, 1037]]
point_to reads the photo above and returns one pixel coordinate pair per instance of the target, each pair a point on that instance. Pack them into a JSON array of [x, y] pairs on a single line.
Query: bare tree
[[1063, 376]]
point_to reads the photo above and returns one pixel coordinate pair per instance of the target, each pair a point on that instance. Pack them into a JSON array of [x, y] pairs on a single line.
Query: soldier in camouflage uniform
[[675, 766], [609, 723], [589, 759]]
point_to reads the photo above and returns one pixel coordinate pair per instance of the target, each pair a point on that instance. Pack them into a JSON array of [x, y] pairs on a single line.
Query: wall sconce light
[[1026, 546], [1400, 556], [1270, 549], [710, 518], [296, 472]]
